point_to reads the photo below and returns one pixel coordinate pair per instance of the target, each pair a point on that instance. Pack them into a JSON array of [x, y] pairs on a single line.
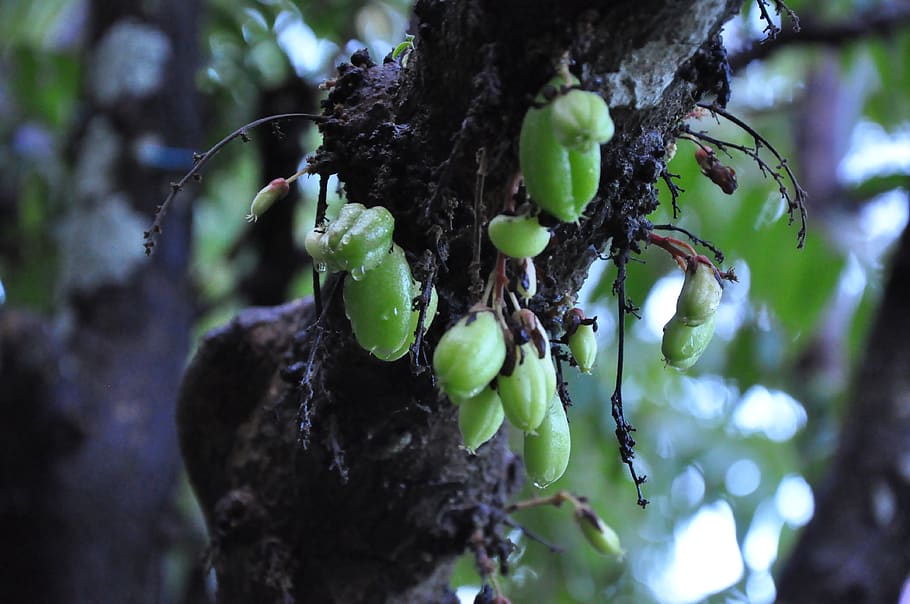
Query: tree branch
[[876, 22]]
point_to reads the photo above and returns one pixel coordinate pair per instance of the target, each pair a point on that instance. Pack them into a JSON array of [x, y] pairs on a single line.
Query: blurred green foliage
[[691, 428]]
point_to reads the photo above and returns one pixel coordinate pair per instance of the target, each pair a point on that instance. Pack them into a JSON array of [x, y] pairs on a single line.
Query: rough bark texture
[[376, 500], [89, 451], [854, 549]]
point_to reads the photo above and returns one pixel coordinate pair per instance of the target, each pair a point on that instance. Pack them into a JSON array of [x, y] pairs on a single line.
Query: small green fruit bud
[[267, 195], [598, 533], [700, 294], [469, 354], [479, 418], [547, 451], [581, 120], [583, 345], [518, 236]]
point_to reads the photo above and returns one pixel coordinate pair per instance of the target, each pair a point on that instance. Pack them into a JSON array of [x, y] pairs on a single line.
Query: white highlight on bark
[[647, 71], [100, 243], [129, 62]]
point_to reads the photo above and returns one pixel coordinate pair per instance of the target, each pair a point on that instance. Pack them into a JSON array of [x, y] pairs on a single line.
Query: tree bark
[[365, 496], [854, 550], [97, 395]]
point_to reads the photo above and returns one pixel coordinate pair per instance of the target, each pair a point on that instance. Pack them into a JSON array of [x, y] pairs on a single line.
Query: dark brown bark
[[855, 548], [100, 499], [377, 500]]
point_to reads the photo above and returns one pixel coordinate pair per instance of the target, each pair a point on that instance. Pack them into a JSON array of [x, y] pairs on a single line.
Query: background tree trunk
[[375, 500], [854, 548], [91, 455]]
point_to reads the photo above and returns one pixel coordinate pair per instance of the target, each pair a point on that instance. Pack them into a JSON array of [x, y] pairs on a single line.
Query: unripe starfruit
[[379, 305], [526, 393], [547, 450], [479, 418], [583, 345], [682, 345], [598, 533], [581, 120], [700, 295], [560, 180], [518, 236], [266, 197], [356, 241], [469, 354]]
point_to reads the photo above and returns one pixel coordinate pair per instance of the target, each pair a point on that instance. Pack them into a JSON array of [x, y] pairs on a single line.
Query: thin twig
[[771, 29], [418, 354], [554, 549], [718, 255], [876, 21], [321, 205], [306, 387], [675, 190], [796, 200], [200, 162], [623, 428]]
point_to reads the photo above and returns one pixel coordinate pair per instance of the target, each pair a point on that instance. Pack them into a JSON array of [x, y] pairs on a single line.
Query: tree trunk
[[365, 496], [854, 550], [91, 452]]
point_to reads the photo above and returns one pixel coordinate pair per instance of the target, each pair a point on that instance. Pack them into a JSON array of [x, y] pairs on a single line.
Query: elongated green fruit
[[479, 418], [415, 318], [599, 534], [583, 345], [526, 393], [682, 344], [560, 180], [518, 236], [379, 305], [547, 451], [581, 120], [469, 354], [356, 241], [700, 295]]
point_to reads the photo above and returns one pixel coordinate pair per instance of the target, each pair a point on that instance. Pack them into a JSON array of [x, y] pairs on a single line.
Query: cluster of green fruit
[[496, 365], [481, 348], [379, 290], [688, 332]]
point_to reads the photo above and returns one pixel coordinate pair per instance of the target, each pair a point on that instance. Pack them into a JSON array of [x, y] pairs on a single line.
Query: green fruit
[[379, 305], [526, 393], [682, 344], [700, 294], [547, 451], [479, 418], [560, 180], [266, 197], [415, 318], [469, 354], [356, 241], [599, 534], [583, 345], [518, 236], [581, 120]]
